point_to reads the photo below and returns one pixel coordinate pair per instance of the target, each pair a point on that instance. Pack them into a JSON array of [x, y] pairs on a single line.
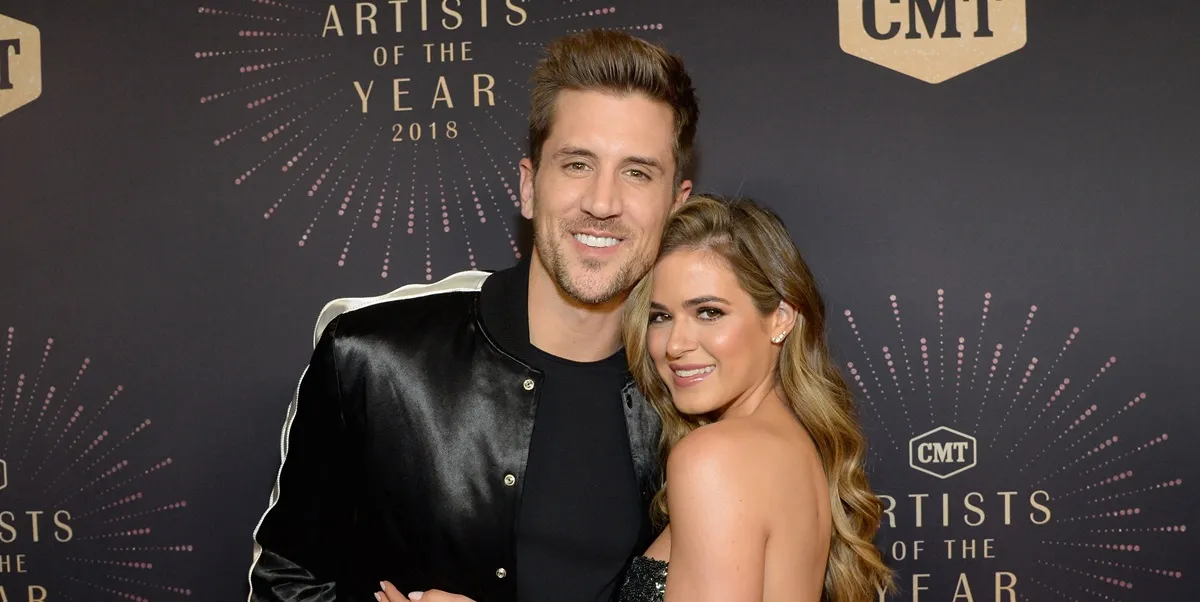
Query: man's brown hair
[[614, 63]]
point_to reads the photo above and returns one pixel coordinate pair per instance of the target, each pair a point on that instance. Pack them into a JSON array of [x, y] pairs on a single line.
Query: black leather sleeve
[[301, 540]]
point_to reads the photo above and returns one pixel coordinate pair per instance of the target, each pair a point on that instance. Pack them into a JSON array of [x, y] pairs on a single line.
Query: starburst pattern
[[443, 167], [1045, 414], [86, 480]]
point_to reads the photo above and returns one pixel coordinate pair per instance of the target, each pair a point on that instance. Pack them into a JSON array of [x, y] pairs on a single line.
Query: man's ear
[[681, 194], [527, 172]]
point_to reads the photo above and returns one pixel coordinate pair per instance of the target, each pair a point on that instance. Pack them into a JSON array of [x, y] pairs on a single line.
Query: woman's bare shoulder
[[739, 455]]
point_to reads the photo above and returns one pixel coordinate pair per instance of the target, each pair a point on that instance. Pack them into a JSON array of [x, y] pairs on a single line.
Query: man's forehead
[[609, 123]]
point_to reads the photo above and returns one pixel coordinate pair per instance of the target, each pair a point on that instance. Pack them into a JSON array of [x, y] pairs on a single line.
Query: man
[[481, 435]]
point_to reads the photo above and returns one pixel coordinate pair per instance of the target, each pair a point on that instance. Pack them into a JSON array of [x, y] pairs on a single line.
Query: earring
[[779, 339]]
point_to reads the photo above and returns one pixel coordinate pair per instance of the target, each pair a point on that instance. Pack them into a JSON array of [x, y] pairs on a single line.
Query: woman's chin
[[693, 408]]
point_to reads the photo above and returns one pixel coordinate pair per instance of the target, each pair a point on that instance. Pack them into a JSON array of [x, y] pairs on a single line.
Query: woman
[[765, 491]]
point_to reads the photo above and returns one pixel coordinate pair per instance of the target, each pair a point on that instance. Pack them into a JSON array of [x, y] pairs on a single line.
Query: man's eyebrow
[[574, 151], [647, 161]]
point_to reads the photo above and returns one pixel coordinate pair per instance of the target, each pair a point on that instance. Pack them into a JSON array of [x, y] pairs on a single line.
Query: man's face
[[603, 192]]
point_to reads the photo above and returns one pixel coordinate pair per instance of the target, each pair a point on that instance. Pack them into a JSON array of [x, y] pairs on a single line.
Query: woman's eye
[[657, 317], [709, 313]]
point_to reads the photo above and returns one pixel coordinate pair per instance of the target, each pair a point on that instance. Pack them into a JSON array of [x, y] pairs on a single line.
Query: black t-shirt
[[580, 511]]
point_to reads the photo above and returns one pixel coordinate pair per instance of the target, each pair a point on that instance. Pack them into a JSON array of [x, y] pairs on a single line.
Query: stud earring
[[779, 338]]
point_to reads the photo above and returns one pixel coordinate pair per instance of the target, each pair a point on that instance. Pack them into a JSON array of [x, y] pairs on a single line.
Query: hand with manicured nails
[[391, 594]]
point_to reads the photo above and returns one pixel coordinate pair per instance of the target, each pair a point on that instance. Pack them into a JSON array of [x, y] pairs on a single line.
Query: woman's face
[[710, 344]]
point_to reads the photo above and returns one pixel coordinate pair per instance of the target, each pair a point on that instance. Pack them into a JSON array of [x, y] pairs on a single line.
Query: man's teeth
[[687, 373], [596, 241]]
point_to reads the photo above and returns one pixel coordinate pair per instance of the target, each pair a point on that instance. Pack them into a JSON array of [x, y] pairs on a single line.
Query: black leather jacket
[[404, 451]]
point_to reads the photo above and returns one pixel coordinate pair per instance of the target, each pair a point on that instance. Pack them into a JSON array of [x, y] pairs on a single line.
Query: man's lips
[[596, 241], [597, 233]]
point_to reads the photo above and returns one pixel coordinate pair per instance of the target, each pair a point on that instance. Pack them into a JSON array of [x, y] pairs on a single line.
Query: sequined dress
[[646, 581]]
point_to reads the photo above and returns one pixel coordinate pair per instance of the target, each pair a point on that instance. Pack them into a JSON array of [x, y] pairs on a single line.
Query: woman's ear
[[783, 321]]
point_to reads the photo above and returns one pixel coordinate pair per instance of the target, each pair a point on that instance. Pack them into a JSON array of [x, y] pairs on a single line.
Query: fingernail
[[382, 586], [378, 597], [416, 595]]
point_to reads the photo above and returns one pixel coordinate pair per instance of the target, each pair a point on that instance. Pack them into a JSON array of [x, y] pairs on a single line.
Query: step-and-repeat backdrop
[[999, 197]]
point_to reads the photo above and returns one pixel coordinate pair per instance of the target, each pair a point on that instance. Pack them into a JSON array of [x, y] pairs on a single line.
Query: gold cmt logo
[[931, 40], [942, 452], [20, 64]]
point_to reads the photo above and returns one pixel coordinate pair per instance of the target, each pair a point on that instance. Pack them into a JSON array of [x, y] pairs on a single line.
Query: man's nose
[[603, 199]]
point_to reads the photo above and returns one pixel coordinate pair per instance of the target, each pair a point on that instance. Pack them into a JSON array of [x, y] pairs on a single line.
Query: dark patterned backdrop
[[999, 206]]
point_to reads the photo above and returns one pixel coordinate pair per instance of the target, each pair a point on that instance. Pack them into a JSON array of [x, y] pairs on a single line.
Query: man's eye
[[639, 174], [576, 166]]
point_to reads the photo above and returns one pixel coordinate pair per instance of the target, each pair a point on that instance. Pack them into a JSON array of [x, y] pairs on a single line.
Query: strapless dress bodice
[[646, 581]]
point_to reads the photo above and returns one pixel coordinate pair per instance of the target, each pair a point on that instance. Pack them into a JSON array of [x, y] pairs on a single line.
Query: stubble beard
[[553, 258]]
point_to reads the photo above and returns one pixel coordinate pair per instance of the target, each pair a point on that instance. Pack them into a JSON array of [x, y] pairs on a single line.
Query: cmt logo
[[931, 40], [3, 474], [20, 64], [942, 452]]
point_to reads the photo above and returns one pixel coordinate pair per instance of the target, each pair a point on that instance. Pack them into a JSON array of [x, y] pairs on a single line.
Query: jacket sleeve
[[301, 537]]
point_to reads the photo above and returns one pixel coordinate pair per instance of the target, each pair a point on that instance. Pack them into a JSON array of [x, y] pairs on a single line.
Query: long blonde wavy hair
[[770, 269]]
